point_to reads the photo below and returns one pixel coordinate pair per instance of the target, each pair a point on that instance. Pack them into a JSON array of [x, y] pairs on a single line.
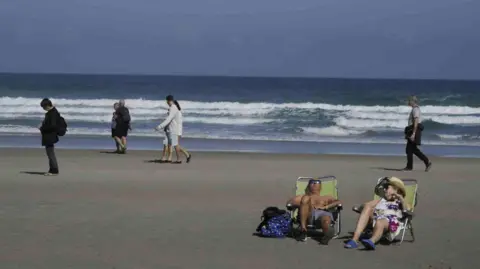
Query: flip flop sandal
[[189, 157], [368, 244], [351, 244]]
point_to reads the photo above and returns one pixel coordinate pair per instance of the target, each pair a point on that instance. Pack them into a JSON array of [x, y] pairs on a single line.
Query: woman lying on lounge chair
[[384, 214]]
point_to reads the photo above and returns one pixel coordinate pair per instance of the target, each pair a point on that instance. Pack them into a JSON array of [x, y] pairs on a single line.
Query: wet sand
[[122, 211]]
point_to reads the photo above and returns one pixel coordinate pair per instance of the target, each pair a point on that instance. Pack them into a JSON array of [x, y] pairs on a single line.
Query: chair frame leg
[[411, 232], [405, 227], [339, 225]]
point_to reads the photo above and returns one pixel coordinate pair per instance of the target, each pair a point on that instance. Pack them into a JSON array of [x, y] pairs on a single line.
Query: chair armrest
[[408, 214], [358, 209], [339, 207], [336, 208], [291, 207]]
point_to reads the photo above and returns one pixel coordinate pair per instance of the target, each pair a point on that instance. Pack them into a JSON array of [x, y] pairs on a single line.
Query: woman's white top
[[173, 122]]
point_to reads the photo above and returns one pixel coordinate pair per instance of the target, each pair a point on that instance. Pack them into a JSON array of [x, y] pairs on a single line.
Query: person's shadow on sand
[[153, 161], [163, 162], [32, 173], [389, 169], [109, 152]]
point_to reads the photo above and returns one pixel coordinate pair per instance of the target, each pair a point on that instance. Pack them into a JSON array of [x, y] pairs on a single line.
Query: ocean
[[304, 115]]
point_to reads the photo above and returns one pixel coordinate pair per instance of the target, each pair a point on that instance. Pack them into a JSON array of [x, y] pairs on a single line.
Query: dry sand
[[120, 211]]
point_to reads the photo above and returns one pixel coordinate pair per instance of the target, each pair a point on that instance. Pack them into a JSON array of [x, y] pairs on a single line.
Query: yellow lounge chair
[[411, 187], [329, 187]]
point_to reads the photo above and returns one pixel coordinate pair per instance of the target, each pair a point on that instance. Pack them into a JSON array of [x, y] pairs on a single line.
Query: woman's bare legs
[[183, 150], [117, 145], [167, 153], [120, 145], [124, 143], [364, 220], [177, 152], [164, 153], [380, 227]]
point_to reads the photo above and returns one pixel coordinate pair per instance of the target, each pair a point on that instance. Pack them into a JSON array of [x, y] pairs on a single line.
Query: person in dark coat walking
[[413, 135], [122, 125], [49, 130]]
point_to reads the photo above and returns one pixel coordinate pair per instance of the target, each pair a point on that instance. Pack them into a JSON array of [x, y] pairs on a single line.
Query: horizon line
[[235, 76]]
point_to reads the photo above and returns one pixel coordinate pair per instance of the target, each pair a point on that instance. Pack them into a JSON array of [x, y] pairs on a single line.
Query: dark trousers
[[412, 149], [52, 159]]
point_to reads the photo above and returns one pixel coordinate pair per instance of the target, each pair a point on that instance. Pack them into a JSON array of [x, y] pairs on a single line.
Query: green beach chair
[[329, 187], [411, 198]]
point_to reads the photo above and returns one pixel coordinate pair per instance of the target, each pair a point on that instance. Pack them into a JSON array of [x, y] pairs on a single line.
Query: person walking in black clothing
[[122, 125], [413, 135], [118, 141], [49, 130]]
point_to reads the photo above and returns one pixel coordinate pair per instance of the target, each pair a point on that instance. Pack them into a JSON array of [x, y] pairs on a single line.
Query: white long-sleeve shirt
[[173, 122]]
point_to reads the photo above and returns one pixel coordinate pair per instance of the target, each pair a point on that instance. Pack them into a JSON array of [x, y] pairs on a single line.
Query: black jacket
[[49, 127], [124, 115], [123, 119]]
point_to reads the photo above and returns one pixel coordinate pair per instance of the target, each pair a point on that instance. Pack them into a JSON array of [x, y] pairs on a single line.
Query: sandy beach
[[125, 212]]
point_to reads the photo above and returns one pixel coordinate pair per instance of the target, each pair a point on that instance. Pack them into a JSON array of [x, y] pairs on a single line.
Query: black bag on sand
[[268, 213]]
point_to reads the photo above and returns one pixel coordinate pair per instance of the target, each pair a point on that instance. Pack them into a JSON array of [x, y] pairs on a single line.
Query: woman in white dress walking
[[173, 127]]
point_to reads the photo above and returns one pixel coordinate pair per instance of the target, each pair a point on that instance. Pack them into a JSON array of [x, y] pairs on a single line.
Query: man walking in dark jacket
[[122, 124], [49, 130]]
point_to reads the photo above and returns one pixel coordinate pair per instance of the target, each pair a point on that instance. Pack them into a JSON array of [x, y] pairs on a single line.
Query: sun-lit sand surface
[[121, 211]]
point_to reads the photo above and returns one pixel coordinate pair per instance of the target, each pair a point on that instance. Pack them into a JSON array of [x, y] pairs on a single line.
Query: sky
[[434, 39]]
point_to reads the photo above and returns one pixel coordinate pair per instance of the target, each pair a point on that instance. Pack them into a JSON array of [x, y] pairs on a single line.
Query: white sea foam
[[330, 131], [402, 118], [253, 108], [100, 111], [368, 124], [450, 137], [75, 118], [136, 119], [349, 120], [464, 137], [228, 121], [27, 130]]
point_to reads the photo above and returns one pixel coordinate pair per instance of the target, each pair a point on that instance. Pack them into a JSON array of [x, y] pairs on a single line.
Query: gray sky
[[326, 38]]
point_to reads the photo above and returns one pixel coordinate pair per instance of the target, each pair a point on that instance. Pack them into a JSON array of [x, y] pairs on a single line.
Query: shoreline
[[142, 153], [248, 146]]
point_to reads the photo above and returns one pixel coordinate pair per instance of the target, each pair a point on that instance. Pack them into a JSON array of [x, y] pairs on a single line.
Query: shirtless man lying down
[[313, 205]]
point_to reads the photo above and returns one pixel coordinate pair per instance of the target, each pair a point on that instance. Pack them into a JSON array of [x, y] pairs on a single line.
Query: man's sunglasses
[[314, 181]]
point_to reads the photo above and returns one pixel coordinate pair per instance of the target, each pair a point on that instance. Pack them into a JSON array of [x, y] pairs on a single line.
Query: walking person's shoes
[[428, 166], [51, 172], [406, 169], [189, 157]]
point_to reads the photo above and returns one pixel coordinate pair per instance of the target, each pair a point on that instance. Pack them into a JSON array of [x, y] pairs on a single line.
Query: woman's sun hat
[[398, 183]]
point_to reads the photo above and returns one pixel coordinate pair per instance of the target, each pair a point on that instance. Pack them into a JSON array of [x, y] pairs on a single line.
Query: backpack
[[62, 126], [275, 223]]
